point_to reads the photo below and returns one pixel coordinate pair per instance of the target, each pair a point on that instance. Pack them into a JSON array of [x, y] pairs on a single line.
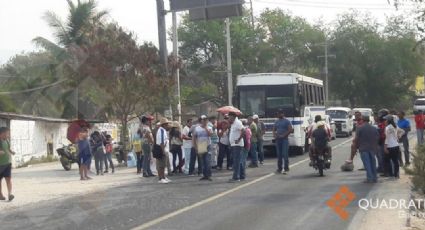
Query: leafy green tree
[[372, 68]]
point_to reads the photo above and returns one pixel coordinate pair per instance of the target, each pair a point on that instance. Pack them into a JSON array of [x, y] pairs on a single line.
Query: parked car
[[419, 104]]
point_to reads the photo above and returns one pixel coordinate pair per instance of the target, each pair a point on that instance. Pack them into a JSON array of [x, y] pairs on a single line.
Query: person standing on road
[[214, 141], [420, 126], [247, 137], [176, 147], [108, 155], [148, 141], [254, 141], [367, 138], [392, 148], [236, 144], [404, 124], [224, 146], [137, 148], [202, 143], [261, 130], [98, 150], [162, 144], [187, 145], [281, 130], [6, 163], [84, 153]]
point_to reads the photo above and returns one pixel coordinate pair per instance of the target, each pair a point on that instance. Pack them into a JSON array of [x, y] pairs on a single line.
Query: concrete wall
[[3, 122], [31, 138]]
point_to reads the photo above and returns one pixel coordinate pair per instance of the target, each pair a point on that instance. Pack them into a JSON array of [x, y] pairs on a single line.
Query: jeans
[[147, 159], [99, 161], [242, 164], [108, 158], [369, 163], [176, 150], [282, 147], [420, 136], [254, 154], [261, 150], [405, 140], [139, 157], [224, 151], [392, 157], [193, 157], [206, 164], [237, 155], [186, 159]]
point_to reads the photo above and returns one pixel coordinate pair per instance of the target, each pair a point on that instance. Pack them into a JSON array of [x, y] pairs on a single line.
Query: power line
[[33, 89], [322, 5]]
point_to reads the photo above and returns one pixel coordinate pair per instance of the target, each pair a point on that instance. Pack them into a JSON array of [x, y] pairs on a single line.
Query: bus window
[[310, 91], [322, 96], [306, 95], [316, 95]]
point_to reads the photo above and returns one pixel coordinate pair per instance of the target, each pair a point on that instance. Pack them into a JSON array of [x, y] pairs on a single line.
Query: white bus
[[267, 93]]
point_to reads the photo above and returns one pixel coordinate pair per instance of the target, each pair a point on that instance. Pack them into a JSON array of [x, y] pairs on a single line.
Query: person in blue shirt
[[404, 124], [281, 130], [84, 153]]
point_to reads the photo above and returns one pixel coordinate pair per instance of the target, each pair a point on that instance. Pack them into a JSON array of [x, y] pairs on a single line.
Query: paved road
[[264, 201]]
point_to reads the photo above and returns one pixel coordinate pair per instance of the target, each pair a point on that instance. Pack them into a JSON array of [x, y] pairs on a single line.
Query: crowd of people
[[379, 143]]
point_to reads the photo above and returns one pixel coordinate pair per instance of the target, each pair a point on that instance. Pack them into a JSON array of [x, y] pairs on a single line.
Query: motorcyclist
[[320, 138], [318, 121]]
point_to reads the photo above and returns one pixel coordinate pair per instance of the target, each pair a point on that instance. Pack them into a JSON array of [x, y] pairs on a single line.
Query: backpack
[[320, 138], [157, 152]]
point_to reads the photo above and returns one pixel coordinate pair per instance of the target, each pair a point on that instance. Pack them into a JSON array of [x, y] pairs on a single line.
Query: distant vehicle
[[343, 119], [419, 104], [364, 112], [68, 155], [267, 93], [310, 112]]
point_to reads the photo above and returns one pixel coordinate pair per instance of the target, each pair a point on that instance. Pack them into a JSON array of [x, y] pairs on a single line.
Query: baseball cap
[[255, 117], [389, 117], [203, 117]]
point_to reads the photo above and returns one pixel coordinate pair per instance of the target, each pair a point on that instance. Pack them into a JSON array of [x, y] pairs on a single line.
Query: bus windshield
[[266, 101]]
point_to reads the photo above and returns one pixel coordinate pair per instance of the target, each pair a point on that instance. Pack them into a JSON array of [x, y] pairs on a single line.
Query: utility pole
[[326, 71], [162, 37], [229, 62], [176, 54], [162, 32], [252, 14]]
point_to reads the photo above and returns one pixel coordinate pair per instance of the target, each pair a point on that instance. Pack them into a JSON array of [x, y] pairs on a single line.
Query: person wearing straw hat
[[163, 142]]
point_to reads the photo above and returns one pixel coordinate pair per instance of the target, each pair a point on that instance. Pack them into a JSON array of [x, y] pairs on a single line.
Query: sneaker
[[261, 162], [106, 171], [163, 181], [168, 180], [204, 178], [278, 171], [11, 197], [233, 181]]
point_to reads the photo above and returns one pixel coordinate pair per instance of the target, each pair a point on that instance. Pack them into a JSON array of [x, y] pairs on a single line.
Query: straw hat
[[175, 124], [164, 121]]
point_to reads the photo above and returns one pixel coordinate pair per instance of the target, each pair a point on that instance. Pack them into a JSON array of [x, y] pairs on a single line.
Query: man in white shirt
[[163, 142], [236, 145], [187, 145]]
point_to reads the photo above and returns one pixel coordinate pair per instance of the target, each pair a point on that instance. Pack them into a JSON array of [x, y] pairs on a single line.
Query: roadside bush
[[418, 169]]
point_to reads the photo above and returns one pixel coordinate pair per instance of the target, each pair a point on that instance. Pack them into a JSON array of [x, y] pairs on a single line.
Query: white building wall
[[30, 138]]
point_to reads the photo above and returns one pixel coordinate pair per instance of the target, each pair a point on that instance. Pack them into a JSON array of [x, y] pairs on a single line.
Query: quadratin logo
[[340, 201]]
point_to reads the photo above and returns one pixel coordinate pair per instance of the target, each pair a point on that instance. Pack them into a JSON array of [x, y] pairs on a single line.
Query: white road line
[[218, 196]]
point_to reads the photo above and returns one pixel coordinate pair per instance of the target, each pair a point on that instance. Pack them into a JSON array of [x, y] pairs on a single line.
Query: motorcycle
[[321, 160], [68, 156]]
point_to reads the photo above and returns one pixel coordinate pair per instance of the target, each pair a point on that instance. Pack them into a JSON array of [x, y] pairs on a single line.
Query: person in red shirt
[[420, 126]]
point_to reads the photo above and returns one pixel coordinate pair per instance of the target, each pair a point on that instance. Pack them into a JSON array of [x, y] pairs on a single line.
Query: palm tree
[[72, 37]]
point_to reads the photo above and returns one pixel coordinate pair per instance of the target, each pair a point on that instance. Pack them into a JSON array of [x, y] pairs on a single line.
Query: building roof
[[15, 116]]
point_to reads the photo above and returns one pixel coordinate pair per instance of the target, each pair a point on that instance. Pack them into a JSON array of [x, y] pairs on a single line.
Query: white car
[[343, 119], [419, 104]]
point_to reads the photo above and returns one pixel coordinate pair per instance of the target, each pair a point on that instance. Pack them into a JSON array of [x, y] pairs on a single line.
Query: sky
[[21, 20]]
